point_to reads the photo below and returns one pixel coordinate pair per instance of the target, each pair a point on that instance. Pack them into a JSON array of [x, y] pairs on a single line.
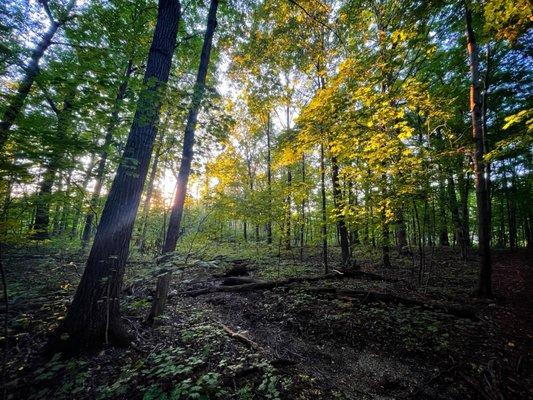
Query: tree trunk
[[148, 198], [42, 212], [288, 211], [16, 103], [188, 140], [269, 184], [456, 219], [323, 210], [174, 223], [401, 234], [94, 316], [464, 188], [443, 221], [83, 189], [302, 216], [482, 200], [100, 171], [341, 224]]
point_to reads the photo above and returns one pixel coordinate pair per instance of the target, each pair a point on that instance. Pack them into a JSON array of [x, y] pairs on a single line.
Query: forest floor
[[389, 334]]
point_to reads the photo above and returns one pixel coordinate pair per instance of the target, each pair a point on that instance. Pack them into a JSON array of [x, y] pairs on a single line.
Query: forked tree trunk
[[482, 199], [174, 223], [16, 102], [94, 316]]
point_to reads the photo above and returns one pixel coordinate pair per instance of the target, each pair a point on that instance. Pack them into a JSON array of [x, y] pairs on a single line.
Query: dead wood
[[377, 297], [241, 338], [237, 280], [260, 285]]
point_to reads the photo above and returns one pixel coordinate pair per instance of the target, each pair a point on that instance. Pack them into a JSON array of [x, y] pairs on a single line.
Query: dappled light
[[266, 199]]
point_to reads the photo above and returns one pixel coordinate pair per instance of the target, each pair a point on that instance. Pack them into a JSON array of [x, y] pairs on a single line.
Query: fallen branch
[[241, 338]]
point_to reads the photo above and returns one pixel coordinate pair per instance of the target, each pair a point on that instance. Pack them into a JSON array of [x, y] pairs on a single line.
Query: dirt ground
[[303, 340]]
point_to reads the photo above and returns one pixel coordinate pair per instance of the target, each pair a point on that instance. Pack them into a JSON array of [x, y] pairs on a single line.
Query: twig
[[241, 338]]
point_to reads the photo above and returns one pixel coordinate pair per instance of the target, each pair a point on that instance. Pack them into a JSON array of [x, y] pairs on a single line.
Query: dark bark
[[341, 224], [401, 234], [323, 212], [288, 212], [482, 199], [269, 183], [463, 181], [148, 197], [82, 190], [456, 219], [443, 221], [174, 223], [16, 102], [100, 170], [42, 210], [302, 214], [94, 316]]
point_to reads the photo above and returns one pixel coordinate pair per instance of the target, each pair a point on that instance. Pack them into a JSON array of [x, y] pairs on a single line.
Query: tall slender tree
[[482, 198], [163, 281]]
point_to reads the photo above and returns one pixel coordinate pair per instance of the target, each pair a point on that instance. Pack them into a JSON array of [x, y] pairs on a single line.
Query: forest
[[266, 199]]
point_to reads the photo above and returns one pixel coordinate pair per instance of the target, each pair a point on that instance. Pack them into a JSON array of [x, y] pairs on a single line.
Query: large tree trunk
[[174, 223], [16, 103], [94, 316], [341, 224], [100, 170], [482, 199]]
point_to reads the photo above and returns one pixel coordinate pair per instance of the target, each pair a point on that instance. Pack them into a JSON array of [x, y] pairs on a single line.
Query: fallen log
[[377, 297], [237, 280], [261, 285]]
